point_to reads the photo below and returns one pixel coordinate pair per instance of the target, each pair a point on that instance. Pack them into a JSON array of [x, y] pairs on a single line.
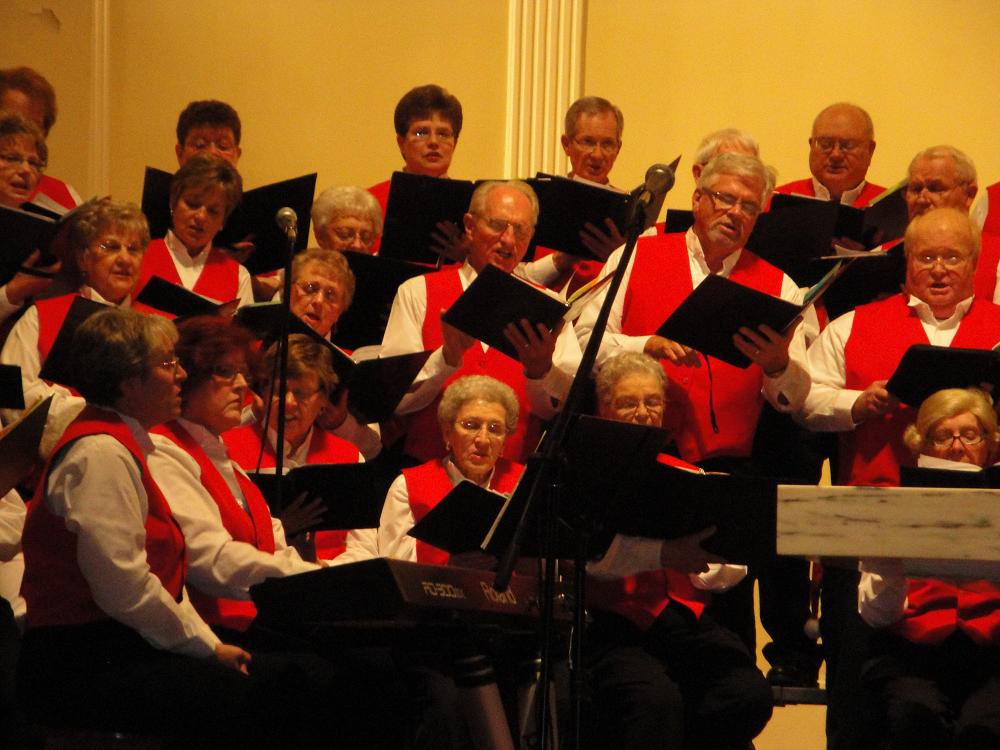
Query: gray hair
[[114, 345], [591, 105], [478, 203], [472, 387], [334, 263], [965, 170], [711, 143], [100, 215], [961, 217], [623, 365], [346, 201], [738, 165]]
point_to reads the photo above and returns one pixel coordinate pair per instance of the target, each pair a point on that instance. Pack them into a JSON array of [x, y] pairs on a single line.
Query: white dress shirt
[[96, 485], [189, 268], [217, 564]]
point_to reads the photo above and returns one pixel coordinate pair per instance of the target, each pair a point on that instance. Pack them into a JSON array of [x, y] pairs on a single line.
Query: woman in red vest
[[664, 673], [932, 676], [311, 381], [112, 640], [231, 538], [203, 193]]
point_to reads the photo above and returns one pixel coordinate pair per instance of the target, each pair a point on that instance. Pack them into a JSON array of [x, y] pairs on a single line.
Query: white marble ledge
[[952, 527]]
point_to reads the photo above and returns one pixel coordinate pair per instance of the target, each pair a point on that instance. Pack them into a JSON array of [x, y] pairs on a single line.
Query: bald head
[[841, 147], [941, 250]]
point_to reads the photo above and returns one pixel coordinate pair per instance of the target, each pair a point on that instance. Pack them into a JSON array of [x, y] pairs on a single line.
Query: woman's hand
[[233, 657], [302, 514]]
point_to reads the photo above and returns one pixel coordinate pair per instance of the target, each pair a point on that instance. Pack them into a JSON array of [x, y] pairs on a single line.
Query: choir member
[[840, 150], [208, 126], [932, 674], [664, 673], [347, 218], [203, 193], [498, 228]]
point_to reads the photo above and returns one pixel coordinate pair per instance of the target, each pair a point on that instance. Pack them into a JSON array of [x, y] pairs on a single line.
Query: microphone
[[659, 180], [288, 222]]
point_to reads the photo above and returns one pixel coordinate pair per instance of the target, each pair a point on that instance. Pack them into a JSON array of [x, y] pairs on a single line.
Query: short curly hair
[[422, 102], [33, 84], [950, 402], [472, 387], [205, 340], [332, 261], [209, 112], [12, 125], [203, 171]]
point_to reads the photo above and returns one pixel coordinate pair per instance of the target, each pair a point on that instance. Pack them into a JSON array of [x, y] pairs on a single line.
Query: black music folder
[[566, 205], [24, 231], [253, 217], [175, 300], [676, 502], [678, 220], [19, 444], [950, 474], [416, 204], [925, 369], [58, 366], [11, 387], [867, 276], [376, 280], [709, 317], [376, 386], [347, 491]]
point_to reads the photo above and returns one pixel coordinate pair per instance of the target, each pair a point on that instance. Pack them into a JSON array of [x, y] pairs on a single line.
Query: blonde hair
[[951, 402]]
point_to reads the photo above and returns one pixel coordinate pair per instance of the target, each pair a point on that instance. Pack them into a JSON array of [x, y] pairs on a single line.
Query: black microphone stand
[[282, 359], [544, 470]]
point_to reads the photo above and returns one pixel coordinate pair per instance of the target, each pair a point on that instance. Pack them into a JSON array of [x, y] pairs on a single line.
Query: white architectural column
[[99, 164], [544, 76]]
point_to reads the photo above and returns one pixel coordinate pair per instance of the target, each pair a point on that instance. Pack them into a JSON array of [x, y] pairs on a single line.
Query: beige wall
[[927, 72]]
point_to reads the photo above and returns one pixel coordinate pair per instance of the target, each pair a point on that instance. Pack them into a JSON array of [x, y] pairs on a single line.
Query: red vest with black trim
[[986, 267], [659, 282], [251, 526], [54, 588], [640, 598], [381, 193], [426, 486], [992, 223], [51, 315], [244, 445], [936, 609], [880, 335], [423, 438], [219, 279], [805, 187]]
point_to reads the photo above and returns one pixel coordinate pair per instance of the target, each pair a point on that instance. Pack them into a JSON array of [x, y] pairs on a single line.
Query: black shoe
[[790, 675]]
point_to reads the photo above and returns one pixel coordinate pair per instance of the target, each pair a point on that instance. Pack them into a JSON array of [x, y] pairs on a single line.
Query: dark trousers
[[944, 697], [684, 683], [104, 676]]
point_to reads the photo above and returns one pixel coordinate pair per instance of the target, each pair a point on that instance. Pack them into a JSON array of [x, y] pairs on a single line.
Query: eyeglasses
[[15, 160], [445, 135], [229, 373], [929, 260], [522, 232], [113, 247], [475, 426], [222, 147], [331, 295], [827, 145], [933, 188], [347, 234], [170, 364], [626, 407], [607, 146], [725, 202], [301, 396], [969, 438]]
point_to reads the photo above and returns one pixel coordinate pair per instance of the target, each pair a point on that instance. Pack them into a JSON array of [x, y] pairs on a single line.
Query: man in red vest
[[944, 176], [498, 229], [840, 150]]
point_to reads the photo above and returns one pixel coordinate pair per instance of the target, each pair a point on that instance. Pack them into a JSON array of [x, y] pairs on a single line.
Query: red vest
[[881, 334], [54, 588], [423, 438], [219, 279], [659, 282], [642, 597], [805, 187], [936, 609], [55, 190], [986, 267], [253, 527], [992, 223], [244, 444], [426, 486], [381, 193]]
